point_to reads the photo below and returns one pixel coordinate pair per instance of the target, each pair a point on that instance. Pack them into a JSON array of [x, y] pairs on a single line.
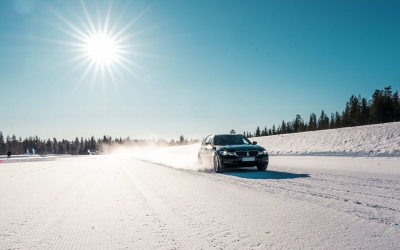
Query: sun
[[101, 48], [100, 45]]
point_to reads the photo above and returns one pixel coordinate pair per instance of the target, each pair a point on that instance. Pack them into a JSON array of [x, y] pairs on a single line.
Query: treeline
[[78, 146], [382, 108]]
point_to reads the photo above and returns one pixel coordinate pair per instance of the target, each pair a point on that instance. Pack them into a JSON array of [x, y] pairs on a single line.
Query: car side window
[[205, 140], [208, 139]]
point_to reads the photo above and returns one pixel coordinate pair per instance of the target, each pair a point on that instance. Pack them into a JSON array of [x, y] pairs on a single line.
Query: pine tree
[[312, 124], [396, 105], [258, 132], [3, 150], [338, 120], [81, 147], [388, 107], [320, 122], [283, 128], [298, 124], [86, 147], [264, 132], [364, 112], [355, 111], [289, 127], [49, 146], [76, 146], [332, 121], [376, 107], [346, 116]]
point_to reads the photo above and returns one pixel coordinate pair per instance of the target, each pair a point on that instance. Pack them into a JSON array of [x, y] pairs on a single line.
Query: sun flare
[[101, 49], [101, 45]]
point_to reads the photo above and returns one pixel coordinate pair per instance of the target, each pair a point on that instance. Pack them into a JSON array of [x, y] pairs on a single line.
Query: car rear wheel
[[262, 167], [217, 165]]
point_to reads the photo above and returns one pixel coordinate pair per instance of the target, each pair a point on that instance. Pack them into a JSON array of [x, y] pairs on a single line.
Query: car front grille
[[246, 153]]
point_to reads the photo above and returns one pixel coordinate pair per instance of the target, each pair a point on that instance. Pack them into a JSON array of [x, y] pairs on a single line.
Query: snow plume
[[179, 157]]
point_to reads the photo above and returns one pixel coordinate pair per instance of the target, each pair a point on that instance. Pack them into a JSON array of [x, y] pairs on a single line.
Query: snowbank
[[371, 140]]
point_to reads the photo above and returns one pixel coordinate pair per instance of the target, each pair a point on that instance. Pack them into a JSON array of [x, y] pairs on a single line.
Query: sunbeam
[[103, 45]]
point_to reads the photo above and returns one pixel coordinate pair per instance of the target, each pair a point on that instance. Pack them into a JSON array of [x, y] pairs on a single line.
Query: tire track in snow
[[184, 236], [29, 230], [350, 194]]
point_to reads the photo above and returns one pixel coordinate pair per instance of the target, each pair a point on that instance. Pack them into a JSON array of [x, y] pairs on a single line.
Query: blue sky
[[190, 68]]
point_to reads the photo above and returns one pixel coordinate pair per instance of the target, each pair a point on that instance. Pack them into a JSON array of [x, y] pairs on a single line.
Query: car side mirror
[[254, 143]]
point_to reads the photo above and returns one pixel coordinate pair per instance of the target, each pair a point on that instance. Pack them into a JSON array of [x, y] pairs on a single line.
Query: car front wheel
[[217, 165], [262, 167]]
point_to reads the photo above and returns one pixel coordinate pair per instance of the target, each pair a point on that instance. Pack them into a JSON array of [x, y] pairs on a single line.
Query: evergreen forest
[[82, 146]]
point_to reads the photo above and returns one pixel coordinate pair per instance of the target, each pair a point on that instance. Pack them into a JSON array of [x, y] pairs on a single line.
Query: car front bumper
[[234, 161]]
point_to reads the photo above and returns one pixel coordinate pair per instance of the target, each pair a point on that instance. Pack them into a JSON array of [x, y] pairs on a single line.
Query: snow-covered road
[[106, 202]]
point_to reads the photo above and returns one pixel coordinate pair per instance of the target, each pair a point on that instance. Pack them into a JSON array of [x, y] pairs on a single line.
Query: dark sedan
[[232, 150]]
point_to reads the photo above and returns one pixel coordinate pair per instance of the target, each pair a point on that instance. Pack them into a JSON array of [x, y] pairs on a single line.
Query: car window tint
[[245, 141], [218, 140], [230, 140]]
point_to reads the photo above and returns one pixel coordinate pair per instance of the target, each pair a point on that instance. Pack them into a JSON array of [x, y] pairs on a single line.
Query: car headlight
[[263, 152], [226, 153]]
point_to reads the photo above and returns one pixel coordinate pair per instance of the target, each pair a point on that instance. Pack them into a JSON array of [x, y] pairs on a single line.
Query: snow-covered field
[[151, 199], [115, 202], [372, 140]]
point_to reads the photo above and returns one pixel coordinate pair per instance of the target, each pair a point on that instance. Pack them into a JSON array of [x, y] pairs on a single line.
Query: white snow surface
[[117, 202], [370, 140]]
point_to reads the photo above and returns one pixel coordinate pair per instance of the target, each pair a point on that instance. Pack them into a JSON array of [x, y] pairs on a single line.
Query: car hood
[[239, 147]]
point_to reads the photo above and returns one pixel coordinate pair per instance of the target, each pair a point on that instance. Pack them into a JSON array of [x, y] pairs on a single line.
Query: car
[[232, 150]]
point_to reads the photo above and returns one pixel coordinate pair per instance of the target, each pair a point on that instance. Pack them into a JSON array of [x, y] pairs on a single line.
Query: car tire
[[217, 165], [262, 167]]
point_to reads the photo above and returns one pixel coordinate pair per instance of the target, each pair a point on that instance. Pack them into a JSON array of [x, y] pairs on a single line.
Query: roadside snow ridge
[[370, 140]]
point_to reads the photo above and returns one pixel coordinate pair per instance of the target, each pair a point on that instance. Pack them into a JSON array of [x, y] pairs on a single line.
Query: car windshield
[[230, 140]]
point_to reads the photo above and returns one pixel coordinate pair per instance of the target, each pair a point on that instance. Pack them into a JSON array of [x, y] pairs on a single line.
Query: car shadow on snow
[[269, 174]]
